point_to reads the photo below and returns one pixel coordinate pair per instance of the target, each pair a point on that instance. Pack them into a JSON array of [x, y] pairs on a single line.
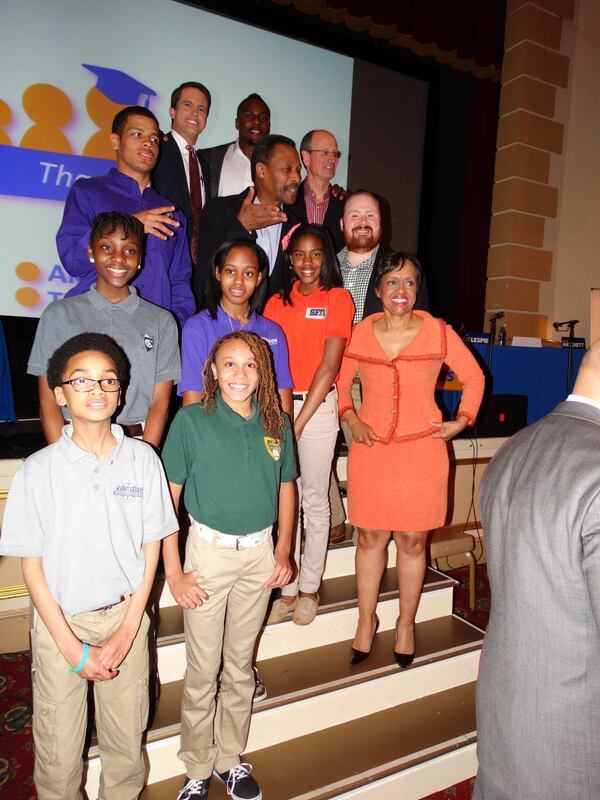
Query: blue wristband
[[84, 658]]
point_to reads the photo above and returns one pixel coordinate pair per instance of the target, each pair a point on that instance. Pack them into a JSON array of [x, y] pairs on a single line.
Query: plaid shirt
[[315, 211], [356, 279]]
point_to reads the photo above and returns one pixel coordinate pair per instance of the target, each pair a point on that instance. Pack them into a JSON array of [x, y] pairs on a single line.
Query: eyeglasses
[[87, 384], [335, 153]]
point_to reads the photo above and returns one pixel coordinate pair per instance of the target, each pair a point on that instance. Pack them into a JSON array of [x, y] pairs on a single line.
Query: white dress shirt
[[185, 155], [235, 172]]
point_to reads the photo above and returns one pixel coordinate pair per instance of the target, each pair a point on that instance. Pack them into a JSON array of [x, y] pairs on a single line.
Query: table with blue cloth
[[7, 406], [540, 373]]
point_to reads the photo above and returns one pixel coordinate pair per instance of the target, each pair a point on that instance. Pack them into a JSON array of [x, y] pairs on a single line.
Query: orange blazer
[[398, 395]]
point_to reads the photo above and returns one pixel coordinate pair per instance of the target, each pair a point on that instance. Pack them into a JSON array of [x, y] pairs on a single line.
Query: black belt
[[133, 430], [302, 395], [112, 605]]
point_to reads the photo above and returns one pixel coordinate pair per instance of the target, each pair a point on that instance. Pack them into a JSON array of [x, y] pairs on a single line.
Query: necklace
[[238, 321]]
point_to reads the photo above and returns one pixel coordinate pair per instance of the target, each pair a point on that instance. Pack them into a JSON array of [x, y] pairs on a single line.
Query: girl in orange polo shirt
[[316, 314]]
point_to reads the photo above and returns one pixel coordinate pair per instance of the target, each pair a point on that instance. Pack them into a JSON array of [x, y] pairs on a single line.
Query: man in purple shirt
[[165, 278]]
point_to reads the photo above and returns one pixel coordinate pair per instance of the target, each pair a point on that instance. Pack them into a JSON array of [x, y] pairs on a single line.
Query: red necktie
[[196, 199]]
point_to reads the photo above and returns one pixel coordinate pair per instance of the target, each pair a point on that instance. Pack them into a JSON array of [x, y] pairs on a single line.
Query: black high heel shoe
[[357, 656], [403, 660]]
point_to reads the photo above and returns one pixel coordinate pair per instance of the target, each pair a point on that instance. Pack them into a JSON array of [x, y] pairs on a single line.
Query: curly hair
[[266, 394], [83, 342]]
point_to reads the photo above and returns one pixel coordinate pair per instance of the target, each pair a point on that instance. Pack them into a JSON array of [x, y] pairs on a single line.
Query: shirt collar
[[579, 398], [223, 317], [231, 417], [73, 452], [306, 299], [238, 152], [368, 262], [129, 304], [181, 142], [128, 183], [308, 192]]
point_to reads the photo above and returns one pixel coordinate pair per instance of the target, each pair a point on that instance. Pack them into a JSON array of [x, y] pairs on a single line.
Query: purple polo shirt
[[200, 333], [165, 277]]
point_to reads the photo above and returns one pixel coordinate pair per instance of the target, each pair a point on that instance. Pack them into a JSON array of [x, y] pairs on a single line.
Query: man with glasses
[[318, 201]]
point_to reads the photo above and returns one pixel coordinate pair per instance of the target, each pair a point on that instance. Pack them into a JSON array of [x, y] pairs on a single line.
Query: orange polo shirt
[[307, 323]]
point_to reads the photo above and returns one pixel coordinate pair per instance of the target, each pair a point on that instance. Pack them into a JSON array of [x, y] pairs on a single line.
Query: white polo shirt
[[88, 519]]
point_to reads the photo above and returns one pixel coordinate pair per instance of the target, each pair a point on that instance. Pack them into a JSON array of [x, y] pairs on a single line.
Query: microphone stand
[[570, 356], [490, 351]]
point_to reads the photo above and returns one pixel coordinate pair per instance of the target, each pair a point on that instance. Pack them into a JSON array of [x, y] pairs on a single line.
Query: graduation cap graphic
[[119, 86]]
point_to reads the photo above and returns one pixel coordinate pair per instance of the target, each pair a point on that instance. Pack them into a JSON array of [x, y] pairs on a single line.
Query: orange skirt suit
[[401, 482]]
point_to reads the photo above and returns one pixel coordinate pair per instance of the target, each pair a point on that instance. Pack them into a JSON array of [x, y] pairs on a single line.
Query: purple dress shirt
[[165, 277], [200, 333]]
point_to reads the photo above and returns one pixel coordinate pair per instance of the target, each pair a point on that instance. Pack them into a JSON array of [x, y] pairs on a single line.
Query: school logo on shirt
[[129, 492], [273, 447], [148, 342], [316, 313]]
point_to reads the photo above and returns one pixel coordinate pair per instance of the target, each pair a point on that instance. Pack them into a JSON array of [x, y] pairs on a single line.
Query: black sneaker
[[240, 784], [260, 692], [194, 789]]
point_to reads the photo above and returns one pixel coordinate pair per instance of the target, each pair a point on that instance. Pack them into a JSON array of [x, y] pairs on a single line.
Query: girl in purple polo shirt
[[236, 291]]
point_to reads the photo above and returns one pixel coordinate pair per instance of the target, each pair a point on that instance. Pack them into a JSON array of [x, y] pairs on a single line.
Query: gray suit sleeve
[[591, 556]]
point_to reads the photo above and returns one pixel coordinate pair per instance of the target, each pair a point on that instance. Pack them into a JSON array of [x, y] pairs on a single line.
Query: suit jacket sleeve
[[591, 556], [218, 223], [74, 233]]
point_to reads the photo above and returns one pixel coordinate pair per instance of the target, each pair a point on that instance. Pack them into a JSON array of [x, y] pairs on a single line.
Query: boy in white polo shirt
[[87, 515]]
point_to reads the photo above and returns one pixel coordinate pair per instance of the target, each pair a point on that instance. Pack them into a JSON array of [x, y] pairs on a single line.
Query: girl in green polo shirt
[[233, 451]]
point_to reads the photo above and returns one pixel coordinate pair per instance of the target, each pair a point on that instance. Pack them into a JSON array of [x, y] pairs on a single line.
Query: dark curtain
[[468, 33]]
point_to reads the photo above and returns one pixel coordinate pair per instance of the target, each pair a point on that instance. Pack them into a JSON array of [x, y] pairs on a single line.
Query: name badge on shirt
[[129, 492], [316, 313], [273, 447]]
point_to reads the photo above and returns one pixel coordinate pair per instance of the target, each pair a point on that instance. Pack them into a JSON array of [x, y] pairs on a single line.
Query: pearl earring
[[91, 260]]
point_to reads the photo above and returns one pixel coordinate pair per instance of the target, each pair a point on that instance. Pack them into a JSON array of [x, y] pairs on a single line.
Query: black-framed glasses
[[87, 384], [326, 153]]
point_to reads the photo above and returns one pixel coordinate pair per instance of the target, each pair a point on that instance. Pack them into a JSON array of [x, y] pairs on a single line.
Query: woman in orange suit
[[398, 463]]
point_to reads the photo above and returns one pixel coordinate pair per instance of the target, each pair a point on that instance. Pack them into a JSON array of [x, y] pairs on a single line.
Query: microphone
[[497, 315], [562, 326]]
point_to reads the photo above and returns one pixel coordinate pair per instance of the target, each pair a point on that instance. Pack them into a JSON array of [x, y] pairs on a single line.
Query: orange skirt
[[400, 486]]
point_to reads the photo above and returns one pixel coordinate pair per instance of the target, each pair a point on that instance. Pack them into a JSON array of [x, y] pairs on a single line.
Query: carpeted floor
[[16, 744]]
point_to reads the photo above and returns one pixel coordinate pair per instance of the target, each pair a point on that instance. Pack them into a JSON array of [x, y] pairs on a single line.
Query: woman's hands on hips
[[363, 433], [448, 430]]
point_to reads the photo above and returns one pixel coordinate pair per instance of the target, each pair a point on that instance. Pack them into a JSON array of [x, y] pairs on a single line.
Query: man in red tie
[[181, 173]]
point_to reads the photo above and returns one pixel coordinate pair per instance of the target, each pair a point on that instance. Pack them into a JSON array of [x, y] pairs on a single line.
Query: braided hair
[[267, 396]]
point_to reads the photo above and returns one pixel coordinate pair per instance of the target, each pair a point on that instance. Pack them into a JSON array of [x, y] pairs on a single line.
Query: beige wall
[[575, 233], [545, 228]]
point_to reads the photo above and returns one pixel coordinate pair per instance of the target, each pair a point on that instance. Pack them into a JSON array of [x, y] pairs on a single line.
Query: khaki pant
[[214, 731], [60, 713], [315, 453]]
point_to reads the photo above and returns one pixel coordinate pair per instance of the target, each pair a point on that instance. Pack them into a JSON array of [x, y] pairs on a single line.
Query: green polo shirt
[[231, 469]]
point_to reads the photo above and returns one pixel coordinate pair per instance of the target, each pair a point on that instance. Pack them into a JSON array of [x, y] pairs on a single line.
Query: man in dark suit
[[181, 173], [230, 163], [263, 213], [317, 200], [362, 253]]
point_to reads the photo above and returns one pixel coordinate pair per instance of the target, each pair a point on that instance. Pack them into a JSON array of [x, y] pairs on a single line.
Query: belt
[[229, 539], [304, 395], [112, 605], [133, 430]]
